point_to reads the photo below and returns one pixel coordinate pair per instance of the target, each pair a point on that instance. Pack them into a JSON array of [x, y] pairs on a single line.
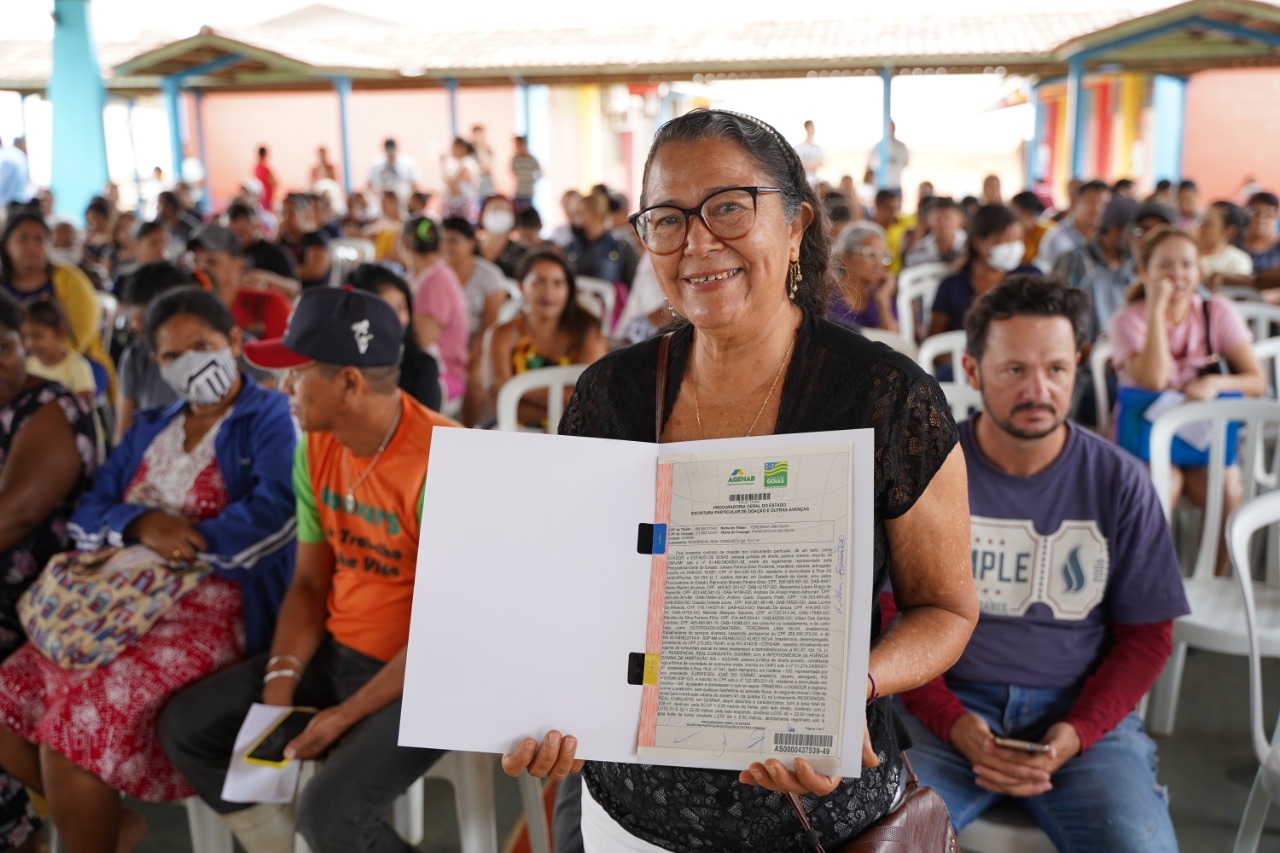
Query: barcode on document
[[750, 496], [794, 739]]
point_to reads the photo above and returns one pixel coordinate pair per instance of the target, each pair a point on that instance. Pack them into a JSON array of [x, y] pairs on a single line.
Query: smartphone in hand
[[269, 749], [1022, 745]]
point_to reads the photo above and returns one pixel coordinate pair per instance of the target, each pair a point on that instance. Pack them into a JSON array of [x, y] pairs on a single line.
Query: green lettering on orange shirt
[[368, 512]]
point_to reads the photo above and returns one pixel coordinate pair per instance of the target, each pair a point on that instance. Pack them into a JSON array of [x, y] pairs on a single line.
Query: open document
[[700, 604]]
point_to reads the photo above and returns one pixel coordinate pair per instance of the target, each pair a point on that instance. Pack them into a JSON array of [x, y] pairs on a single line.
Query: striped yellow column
[[1128, 115], [1062, 148], [590, 115]]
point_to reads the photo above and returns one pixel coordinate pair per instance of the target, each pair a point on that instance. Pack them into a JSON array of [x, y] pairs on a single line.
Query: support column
[[451, 85], [1032, 154], [1169, 98], [886, 134], [131, 105], [342, 85], [172, 90], [1075, 114], [78, 98], [204, 202]]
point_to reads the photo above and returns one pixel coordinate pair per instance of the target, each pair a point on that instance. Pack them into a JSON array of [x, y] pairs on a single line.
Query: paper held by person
[[534, 600]]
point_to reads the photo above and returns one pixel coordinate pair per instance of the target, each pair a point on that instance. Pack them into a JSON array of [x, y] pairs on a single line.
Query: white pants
[[603, 834]]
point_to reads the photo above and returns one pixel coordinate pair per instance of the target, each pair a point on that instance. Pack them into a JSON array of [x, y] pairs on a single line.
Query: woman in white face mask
[[206, 485], [995, 251], [497, 222]]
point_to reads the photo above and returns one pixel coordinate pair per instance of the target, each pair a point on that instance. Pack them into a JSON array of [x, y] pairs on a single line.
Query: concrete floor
[[1207, 764]]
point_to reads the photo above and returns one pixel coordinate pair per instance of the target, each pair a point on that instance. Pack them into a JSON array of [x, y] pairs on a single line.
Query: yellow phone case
[[268, 733]]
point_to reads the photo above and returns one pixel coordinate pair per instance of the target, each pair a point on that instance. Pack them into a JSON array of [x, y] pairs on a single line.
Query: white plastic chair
[[1004, 828], [1239, 293], [509, 310], [108, 310], [961, 398], [1099, 361], [893, 340], [471, 775], [600, 297], [1267, 352], [1260, 317], [554, 379], [1260, 513], [935, 346], [917, 283], [347, 253], [1216, 620]]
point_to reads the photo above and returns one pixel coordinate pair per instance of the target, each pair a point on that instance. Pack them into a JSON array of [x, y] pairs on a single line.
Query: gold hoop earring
[[794, 277]]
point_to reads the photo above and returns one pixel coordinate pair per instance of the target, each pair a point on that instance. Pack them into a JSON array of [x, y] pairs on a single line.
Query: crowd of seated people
[[190, 464]]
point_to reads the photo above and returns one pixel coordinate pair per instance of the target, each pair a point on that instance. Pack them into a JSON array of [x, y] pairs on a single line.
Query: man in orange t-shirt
[[343, 628]]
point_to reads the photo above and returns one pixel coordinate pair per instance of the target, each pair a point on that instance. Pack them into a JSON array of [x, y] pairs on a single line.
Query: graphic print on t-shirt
[[1015, 567]]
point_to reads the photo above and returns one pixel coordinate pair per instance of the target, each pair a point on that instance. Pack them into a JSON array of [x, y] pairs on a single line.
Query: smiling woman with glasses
[[863, 297], [737, 240]]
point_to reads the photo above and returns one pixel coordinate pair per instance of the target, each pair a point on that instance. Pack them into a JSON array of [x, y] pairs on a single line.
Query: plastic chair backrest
[[961, 398], [108, 310], [1099, 361], [509, 310], [1252, 516], [919, 282], [936, 346], [1254, 416], [600, 297], [356, 249], [892, 340], [553, 379], [1239, 293], [1259, 317], [1267, 352]]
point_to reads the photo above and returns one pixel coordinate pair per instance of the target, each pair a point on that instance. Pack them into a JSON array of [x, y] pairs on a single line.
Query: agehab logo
[[739, 477], [775, 474]]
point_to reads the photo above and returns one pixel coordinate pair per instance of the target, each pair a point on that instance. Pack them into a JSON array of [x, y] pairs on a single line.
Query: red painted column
[[1103, 100]]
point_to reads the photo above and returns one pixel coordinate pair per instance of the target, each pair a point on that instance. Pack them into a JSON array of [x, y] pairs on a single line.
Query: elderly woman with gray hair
[[864, 288]]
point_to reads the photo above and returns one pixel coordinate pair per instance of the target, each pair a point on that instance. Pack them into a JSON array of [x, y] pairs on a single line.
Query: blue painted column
[[452, 86], [171, 88], [78, 98], [882, 176], [203, 204], [1032, 154], [1169, 99], [546, 194], [343, 87], [522, 106], [1076, 114]]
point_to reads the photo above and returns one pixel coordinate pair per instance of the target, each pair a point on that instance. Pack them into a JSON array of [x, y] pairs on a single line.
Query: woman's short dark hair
[[150, 280], [459, 225], [1268, 198], [1233, 216], [987, 221], [12, 224], [779, 161], [574, 319], [422, 235], [10, 313], [191, 300], [373, 278], [1024, 295], [1028, 201]]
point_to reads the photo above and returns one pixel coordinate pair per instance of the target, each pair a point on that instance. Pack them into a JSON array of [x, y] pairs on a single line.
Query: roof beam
[[208, 67], [1237, 31]]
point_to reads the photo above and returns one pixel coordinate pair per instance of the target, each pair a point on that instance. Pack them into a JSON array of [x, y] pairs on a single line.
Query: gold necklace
[[349, 502], [767, 397]]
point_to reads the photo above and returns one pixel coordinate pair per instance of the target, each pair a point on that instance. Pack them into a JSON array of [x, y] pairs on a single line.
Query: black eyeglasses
[[728, 214]]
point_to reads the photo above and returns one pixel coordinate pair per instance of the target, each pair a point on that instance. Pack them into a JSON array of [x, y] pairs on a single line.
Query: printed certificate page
[[750, 608]]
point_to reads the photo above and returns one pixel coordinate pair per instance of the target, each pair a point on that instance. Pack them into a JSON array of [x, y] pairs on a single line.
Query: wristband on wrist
[[281, 673], [287, 658]]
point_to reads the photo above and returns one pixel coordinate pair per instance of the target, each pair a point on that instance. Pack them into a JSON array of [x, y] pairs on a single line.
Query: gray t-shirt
[[486, 278], [140, 379]]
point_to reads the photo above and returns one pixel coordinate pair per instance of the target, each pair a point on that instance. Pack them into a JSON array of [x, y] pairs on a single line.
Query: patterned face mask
[[201, 378]]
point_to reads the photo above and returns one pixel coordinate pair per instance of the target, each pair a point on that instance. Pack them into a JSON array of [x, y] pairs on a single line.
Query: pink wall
[[1233, 130], [293, 125]]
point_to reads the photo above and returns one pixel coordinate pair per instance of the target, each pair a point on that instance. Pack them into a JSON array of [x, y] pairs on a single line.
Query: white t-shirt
[[399, 176], [485, 279], [811, 156], [1230, 261], [898, 157]]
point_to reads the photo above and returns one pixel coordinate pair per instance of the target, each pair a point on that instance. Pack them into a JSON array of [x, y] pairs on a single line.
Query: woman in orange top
[[553, 329]]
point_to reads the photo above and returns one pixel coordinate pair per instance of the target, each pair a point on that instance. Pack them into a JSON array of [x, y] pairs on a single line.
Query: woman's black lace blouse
[[837, 380]]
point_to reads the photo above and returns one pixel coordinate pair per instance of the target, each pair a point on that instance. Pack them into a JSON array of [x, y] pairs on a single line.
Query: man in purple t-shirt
[[1078, 582]]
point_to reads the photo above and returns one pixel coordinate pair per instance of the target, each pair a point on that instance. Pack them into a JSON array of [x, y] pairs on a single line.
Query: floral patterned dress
[[20, 565], [104, 719]]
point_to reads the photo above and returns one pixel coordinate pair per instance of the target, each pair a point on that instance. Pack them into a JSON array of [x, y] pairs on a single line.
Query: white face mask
[[498, 222], [1006, 256], [201, 378]]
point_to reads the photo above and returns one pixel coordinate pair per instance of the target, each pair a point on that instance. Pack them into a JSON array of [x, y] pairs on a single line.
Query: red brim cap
[[273, 355]]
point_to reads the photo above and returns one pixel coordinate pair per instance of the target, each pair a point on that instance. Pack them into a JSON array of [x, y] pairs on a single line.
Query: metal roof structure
[[308, 49]]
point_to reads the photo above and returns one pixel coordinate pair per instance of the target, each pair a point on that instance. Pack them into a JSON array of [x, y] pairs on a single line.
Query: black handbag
[[1216, 365]]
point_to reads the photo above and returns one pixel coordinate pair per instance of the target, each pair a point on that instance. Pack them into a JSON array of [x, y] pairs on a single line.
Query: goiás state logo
[[775, 474]]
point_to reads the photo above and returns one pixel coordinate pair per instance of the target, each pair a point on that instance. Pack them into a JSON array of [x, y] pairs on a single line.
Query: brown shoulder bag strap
[[660, 396]]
